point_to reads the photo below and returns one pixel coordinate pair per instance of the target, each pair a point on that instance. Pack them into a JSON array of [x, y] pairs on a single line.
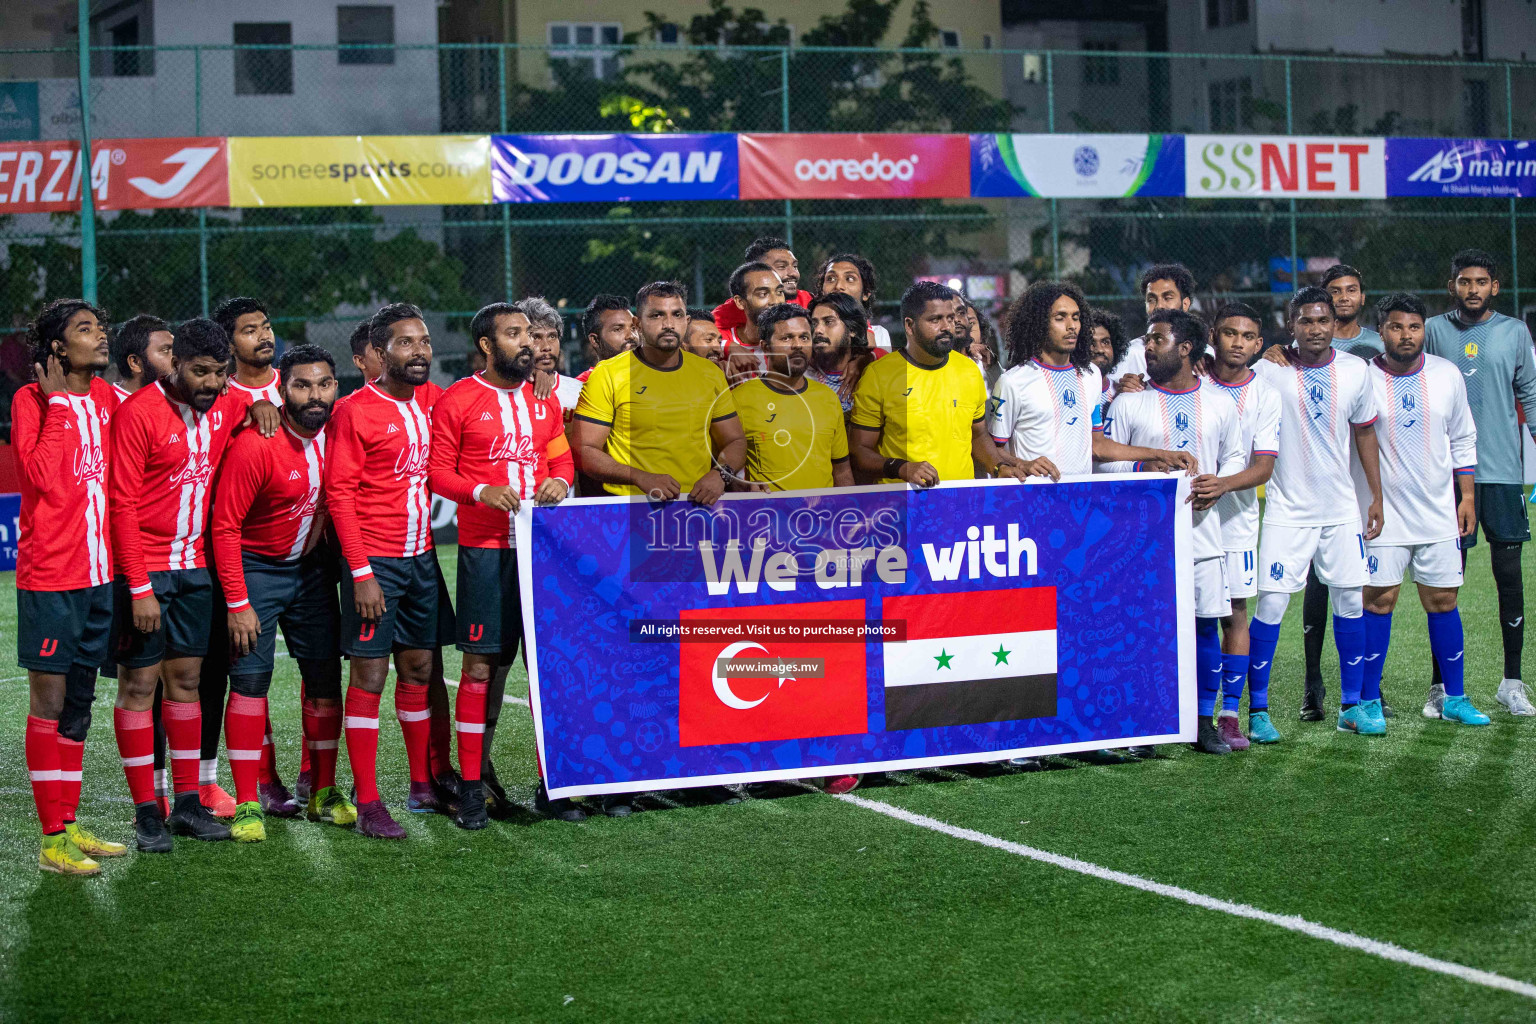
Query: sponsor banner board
[[1077, 166], [1461, 167], [613, 168], [126, 174], [1284, 166], [359, 170], [855, 166], [861, 629], [10, 530]]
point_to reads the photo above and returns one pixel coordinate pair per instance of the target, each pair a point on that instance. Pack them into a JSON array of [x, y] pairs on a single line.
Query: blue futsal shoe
[[1359, 719], [1261, 729], [1460, 709]]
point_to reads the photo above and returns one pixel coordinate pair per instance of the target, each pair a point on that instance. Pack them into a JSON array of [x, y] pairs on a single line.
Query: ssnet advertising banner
[[851, 630]]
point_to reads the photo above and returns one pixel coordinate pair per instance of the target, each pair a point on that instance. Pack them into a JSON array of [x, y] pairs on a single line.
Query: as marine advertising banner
[[1461, 167], [1077, 166]]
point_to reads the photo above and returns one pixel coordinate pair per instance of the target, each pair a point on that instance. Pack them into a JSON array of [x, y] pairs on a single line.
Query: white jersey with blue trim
[[1053, 411], [1201, 420], [1427, 438], [1312, 484], [1258, 428]]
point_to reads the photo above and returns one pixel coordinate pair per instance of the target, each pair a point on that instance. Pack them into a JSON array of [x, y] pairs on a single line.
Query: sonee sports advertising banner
[[854, 630]]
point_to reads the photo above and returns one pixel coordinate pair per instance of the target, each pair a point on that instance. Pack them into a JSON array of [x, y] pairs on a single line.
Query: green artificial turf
[[805, 908]]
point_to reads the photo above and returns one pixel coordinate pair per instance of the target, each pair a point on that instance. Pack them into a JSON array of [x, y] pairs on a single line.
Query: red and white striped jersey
[[61, 452], [250, 396], [376, 476], [123, 394], [163, 459], [269, 498], [483, 435]]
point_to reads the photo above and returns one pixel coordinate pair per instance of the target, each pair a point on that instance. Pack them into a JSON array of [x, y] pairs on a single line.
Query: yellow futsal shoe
[[248, 826], [330, 805], [91, 845], [63, 857]]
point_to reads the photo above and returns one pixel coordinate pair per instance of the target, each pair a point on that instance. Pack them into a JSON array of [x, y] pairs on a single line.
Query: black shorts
[[58, 629], [490, 604], [411, 608], [1501, 513], [186, 605], [300, 596], [447, 627]]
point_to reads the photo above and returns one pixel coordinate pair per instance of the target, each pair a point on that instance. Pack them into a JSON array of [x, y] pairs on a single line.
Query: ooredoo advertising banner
[[1461, 167], [1284, 166], [792, 166], [613, 168], [857, 629], [359, 170], [1077, 166], [126, 174]]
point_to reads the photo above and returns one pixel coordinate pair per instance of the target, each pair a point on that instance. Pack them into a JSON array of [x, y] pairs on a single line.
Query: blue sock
[[1349, 638], [1208, 663], [1378, 635], [1262, 638], [1446, 643], [1234, 669]]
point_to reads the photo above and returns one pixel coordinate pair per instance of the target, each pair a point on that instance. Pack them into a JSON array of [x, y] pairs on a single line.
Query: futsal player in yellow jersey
[[919, 416], [796, 439], [659, 421]]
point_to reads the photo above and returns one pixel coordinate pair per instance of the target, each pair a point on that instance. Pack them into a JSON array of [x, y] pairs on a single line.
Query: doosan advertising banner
[[1461, 167], [613, 168], [851, 630], [126, 174], [1077, 166], [854, 166], [1284, 166]]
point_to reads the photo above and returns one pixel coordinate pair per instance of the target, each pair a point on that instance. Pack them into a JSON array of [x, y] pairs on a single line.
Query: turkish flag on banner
[[714, 709]]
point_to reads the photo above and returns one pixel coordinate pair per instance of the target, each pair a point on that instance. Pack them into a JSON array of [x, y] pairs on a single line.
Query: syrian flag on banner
[[972, 658]]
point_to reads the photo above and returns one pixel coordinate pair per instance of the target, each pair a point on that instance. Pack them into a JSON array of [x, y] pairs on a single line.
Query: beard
[[940, 344], [414, 373], [311, 415], [1166, 368], [825, 355], [517, 369]]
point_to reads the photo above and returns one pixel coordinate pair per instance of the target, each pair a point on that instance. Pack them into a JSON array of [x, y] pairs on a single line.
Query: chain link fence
[[322, 268]]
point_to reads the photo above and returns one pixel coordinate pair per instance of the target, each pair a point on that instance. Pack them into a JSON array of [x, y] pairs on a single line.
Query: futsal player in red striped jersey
[[494, 446], [59, 428], [166, 444], [376, 490]]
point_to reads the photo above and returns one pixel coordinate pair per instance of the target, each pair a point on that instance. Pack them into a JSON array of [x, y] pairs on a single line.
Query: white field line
[[506, 699], [1349, 940]]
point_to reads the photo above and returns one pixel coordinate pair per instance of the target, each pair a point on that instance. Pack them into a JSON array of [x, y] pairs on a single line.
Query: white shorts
[[1243, 573], [1287, 553], [1213, 599], [1434, 565]]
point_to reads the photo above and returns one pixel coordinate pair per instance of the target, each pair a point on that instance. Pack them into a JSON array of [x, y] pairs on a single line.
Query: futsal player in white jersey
[[1046, 408], [1182, 412], [1312, 521], [1427, 439], [1235, 343]]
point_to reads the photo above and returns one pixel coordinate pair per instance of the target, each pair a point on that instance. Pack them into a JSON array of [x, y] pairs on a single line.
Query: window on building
[[949, 38], [1476, 108], [1101, 70], [600, 64], [986, 40], [1472, 29], [127, 63], [667, 33], [367, 28], [263, 72], [1222, 13], [1231, 105]]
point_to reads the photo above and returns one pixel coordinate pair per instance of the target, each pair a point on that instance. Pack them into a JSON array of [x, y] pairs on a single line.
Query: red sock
[[71, 770], [415, 724], [244, 721], [304, 765], [184, 735], [440, 742], [42, 752], [266, 766], [469, 711], [322, 732], [135, 732], [362, 725]]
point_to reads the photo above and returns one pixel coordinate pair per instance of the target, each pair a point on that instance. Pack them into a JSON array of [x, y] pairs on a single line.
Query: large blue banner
[[1461, 167], [1077, 166], [827, 632], [10, 530], [613, 168]]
